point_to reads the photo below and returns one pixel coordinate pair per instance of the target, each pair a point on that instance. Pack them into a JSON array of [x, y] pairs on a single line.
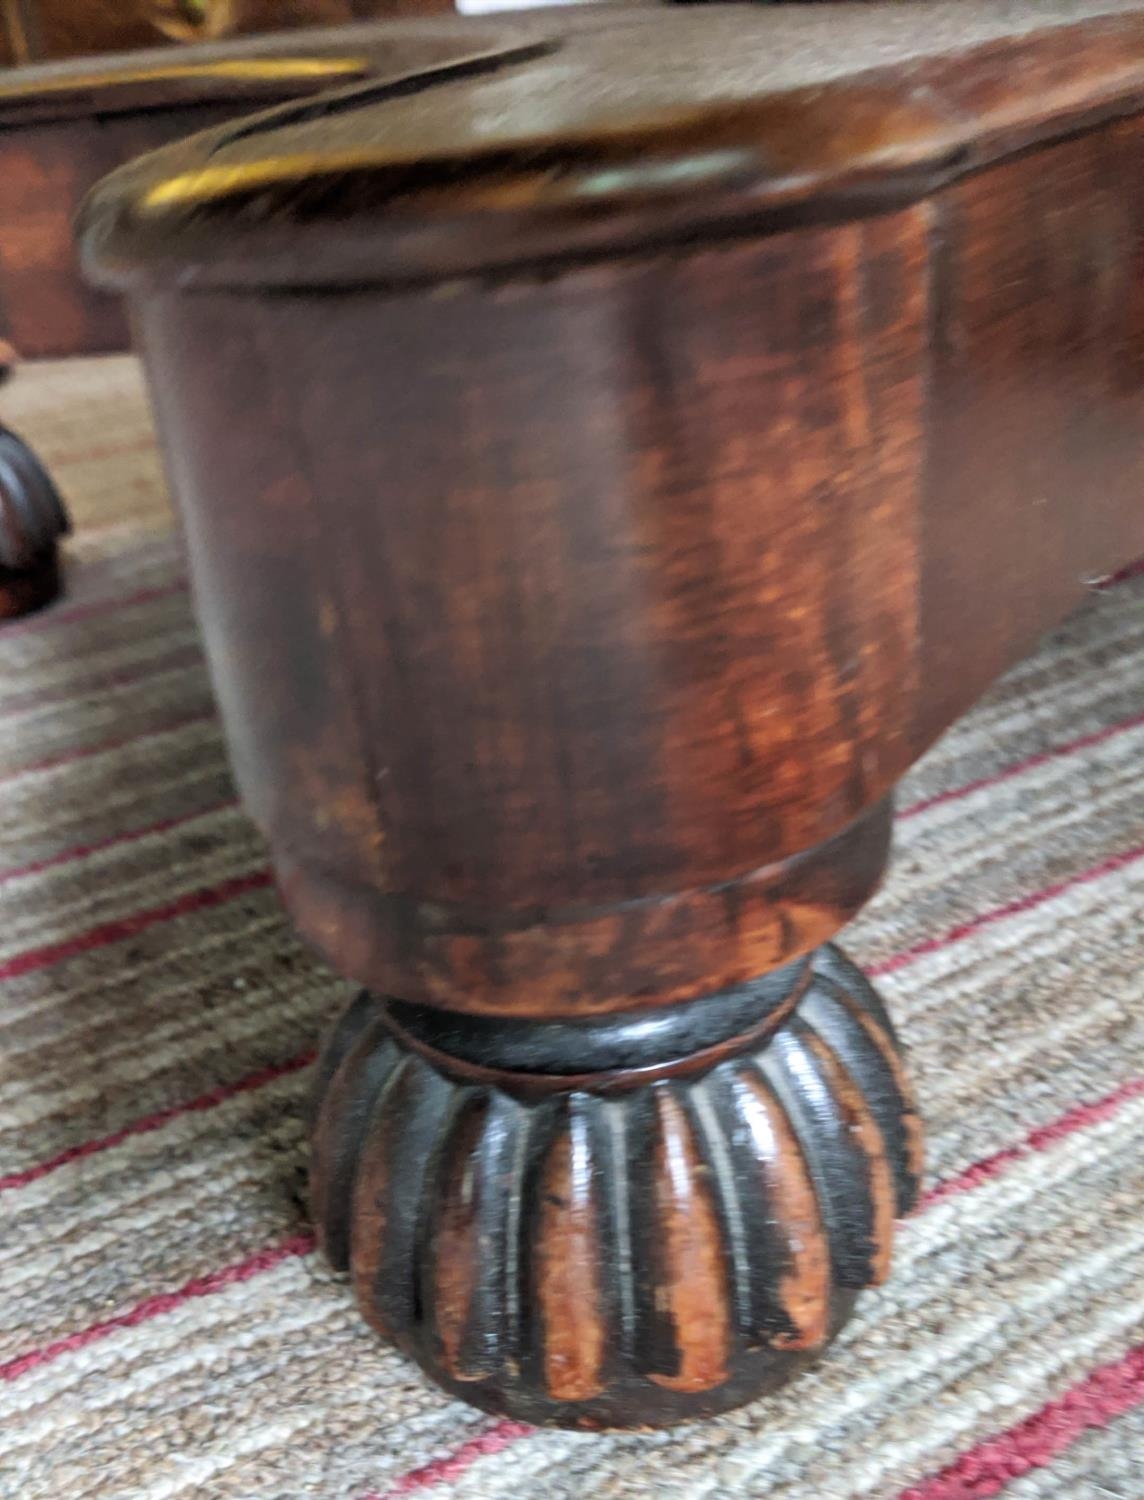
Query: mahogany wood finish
[[603, 476]]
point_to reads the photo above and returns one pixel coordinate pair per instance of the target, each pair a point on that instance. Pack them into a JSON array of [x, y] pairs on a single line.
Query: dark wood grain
[[644, 452], [517, 733]]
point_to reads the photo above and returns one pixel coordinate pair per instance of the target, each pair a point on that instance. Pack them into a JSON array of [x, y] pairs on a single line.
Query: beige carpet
[[165, 1327]]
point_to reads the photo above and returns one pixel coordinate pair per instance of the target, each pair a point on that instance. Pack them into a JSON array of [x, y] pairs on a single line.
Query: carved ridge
[[588, 1255]]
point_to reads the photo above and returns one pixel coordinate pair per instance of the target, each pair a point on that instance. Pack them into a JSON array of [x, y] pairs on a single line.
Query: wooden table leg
[[564, 731], [598, 496]]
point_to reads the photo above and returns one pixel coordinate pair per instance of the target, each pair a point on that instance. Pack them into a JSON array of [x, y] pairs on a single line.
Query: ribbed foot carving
[[626, 1222]]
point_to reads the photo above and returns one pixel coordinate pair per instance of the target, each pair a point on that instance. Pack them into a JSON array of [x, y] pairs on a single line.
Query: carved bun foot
[[633, 1221], [32, 520]]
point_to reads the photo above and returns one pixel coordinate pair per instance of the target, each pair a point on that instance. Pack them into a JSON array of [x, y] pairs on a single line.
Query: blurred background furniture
[[41, 30], [63, 125]]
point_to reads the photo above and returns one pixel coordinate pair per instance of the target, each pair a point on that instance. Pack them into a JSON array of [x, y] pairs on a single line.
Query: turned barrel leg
[[637, 1220], [568, 661]]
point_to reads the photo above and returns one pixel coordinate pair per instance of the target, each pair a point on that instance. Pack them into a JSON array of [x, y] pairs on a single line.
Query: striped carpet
[[165, 1327]]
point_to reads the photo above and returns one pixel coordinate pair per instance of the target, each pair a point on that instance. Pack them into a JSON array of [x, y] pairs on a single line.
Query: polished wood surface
[[638, 465], [738, 121]]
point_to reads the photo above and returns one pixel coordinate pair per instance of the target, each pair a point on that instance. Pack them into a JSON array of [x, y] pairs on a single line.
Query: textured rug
[[165, 1326]]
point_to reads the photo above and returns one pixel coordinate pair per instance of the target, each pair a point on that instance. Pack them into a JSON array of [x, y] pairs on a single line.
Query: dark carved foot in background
[[32, 520], [629, 1221]]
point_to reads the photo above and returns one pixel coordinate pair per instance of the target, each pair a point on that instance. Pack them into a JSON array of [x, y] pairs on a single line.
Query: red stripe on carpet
[[1043, 757], [210, 1100], [1037, 1140], [105, 747], [1107, 866], [114, 841], [180, 657], [453, 1465], [988, 1467], [128, 927], [165, 1302], [983, 1471], [65, 614], [1123, 575]]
